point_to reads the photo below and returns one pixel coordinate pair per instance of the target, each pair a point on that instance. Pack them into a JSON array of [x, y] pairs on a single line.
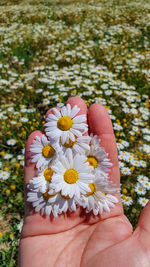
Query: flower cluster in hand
[[72, 167]]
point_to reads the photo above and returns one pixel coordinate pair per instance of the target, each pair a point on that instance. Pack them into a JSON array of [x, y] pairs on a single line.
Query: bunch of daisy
[[72, 167]]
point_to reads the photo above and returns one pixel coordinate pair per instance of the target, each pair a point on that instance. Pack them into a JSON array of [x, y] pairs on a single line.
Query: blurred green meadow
[[51, 50]]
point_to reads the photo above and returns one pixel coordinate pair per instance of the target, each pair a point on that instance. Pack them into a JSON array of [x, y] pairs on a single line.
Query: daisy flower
[[99, 198], [143, 201], [80, 145], [19, 226], [126, 200], [72, 175], [4, 175], [141, 179], [139, 189], [11, 142], [125, 171], [96, 156], [65, 124], [42, 180], [7, 156], [42, 201], [43, 151], [146, 185]]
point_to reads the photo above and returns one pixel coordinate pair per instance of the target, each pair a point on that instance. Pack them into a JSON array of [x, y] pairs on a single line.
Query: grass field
[[51, 50]]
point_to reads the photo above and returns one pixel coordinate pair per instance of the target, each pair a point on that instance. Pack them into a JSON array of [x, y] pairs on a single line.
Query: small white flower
[[80, 145], [43, 151], [147, 137], [46, 101], [43, 179], [120, 146], [143, 201], [96, 156], [19, 226], [65, 124], [7, 156], [135, 163], [4, 175], [126, 200], [141, 179], [143, 163], [20, 157], [121, 164], [72, 175], [146, 185], [125, 143], [42, 201], [23, 119], [125, 170], [99, 198], [139, 189], [11, 142]]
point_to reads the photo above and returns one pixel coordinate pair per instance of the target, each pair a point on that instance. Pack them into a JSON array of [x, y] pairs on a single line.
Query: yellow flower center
[[71, 176], [92, 187], [48, 173], [92, 161], [48, 151], [66, 197], [64, 123], [46, 195], [71, 143]]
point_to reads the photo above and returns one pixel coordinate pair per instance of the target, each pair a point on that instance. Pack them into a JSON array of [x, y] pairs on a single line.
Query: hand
[[79, 239]]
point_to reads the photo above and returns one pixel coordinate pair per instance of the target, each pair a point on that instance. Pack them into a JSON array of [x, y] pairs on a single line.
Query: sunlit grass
[[51, 50]]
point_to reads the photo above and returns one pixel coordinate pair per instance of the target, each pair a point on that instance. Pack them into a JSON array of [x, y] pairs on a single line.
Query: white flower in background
[[120, 146], [72, 175], [126, 200], [125, 143], [121, 164], [4, 175], [11, 142], [13, 122], [146, 185], [125, 171], [23, 151], [139, 189], [143, 163], [7, 156], [20, 157], [147, 137], [143, 201], [80, 145], [23, 119], [65, 124], [96, 156], [99, 198], [19, 226], [43, 151], [142, 179], [46, 101]]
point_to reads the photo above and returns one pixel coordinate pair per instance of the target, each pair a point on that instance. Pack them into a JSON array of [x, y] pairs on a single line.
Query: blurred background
[[51, 50]]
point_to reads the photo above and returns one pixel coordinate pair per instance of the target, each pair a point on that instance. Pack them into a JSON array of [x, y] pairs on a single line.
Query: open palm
[[78, 239]]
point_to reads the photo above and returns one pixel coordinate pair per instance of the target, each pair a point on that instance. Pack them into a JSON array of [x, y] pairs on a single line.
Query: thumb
[[142, 232], [144, 221]]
